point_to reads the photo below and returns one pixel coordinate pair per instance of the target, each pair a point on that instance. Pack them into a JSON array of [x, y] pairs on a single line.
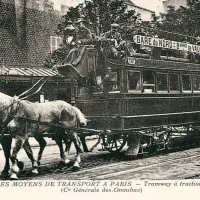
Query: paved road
[[103, 165]]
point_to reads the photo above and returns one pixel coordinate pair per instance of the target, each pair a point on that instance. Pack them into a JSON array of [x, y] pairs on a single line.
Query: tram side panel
[[148, 111], [103, 114], [137, 111], [142, 111]]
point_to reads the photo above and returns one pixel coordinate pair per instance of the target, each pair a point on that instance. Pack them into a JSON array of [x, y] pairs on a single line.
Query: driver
[[82, 37]]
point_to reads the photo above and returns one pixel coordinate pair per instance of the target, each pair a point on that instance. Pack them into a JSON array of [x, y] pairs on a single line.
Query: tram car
[[145, 102]]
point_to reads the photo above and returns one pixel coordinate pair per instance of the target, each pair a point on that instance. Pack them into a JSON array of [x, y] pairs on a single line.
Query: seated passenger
[[69, 35], [116, 40], [60, 54], [83, 37]]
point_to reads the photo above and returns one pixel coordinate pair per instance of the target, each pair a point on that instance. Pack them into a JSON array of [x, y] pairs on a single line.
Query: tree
[[101, 13], [184, 21]]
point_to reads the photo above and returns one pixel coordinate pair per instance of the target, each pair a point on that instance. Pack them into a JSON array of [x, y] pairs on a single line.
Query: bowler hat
[[80, 20], [69, 28]]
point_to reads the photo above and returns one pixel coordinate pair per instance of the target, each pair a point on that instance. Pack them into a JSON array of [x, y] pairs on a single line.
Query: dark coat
[[84, 35], [109, 35]]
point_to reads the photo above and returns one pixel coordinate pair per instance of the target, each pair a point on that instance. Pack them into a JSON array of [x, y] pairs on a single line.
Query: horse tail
[[80, 116]]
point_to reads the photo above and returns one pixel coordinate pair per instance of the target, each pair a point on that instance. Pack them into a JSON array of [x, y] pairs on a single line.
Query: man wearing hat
[[83, 35], [69, 34], [115, 37], [68, 43]]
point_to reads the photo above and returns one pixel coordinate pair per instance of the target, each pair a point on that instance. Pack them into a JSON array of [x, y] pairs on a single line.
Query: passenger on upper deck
[[83, 37], [69, 35], [116, 40], [68, 42]]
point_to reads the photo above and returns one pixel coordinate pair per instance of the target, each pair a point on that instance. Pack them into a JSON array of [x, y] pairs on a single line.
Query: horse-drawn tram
[[143, 99], [148, 101]]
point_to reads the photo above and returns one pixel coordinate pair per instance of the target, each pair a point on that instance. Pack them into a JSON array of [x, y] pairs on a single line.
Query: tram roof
[[142, 63], [28, 71]]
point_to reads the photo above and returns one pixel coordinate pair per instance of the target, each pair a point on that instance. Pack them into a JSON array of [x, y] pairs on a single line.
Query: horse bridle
[[13, 110]]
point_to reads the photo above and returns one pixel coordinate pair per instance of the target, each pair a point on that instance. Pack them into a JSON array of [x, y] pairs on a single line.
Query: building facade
[[146, 14], [175, 3], [27, 31]]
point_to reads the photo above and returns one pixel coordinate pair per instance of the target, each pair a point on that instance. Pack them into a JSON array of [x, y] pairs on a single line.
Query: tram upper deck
[[138, 91], [140, 73]]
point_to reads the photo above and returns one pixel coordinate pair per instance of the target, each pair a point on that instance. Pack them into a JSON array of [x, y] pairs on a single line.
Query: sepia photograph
[[100, 90]]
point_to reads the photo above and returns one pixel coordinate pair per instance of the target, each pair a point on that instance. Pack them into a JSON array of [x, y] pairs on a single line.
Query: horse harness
[[9, 118]]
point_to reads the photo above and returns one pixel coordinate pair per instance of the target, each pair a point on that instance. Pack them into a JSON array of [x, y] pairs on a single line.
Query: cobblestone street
[[104, 166]]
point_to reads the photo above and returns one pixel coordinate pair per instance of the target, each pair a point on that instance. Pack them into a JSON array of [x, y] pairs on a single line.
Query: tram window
[[196, 83], [111, 81], [133, 78], [162, 82], [148, 81], [148, 77], [174, 82], [186, 82]]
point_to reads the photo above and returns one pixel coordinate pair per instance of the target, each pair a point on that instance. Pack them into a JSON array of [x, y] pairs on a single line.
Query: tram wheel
[[114, 143], [168, 145]]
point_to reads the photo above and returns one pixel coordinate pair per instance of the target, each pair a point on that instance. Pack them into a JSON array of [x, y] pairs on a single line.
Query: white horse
[[7, 110], [37, 118], [8, 107]]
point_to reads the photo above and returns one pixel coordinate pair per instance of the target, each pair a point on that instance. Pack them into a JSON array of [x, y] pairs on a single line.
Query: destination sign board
[[167, 44]]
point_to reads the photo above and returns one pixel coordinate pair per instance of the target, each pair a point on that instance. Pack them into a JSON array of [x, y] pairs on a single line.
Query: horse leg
[[58, 140], [18, 145], [77, 143], [96, 144], [76, 165], [6, 142], [67, 142], [42, 144], [85, 148], [29, 153]]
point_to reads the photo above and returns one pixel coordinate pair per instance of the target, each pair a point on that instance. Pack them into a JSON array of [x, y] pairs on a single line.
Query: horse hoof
[[62, 163], [15, 169], [75, 168], [4, 174], [20, 164], [13, 176], [67, 161], [35, 171]]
